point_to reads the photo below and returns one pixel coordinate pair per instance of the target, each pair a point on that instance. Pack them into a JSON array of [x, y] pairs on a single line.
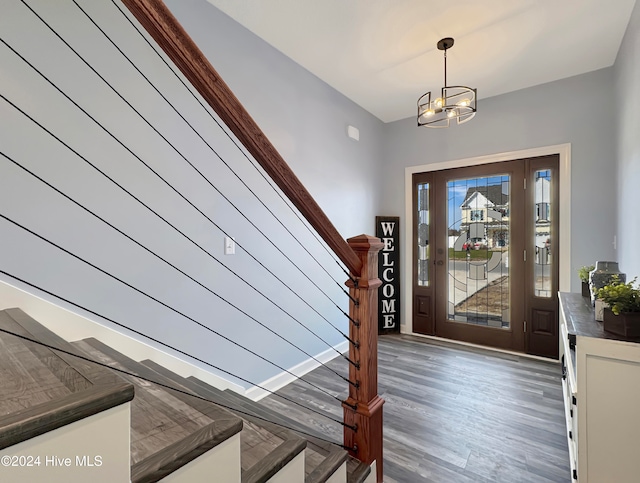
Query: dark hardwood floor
[[453, 414]]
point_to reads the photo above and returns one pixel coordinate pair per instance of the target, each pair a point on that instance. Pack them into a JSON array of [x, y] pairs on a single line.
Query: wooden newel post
[[363, 407]]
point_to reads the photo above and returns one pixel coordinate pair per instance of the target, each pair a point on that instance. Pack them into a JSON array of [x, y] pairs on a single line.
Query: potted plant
[[583, 273], [622, 317]]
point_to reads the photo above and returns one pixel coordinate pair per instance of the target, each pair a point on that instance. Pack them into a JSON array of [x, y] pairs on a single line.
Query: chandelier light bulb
[[451, 113], [438, 102], [464, 103]]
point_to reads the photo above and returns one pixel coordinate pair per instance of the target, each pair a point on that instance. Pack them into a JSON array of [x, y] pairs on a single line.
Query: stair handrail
[[363, 408], [165, 29]]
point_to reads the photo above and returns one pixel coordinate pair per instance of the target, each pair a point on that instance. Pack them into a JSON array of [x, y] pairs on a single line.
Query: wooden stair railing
[[165, 29], [364, 406]]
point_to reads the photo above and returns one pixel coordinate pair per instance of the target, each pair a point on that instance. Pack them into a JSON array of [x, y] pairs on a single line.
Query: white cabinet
[[601, 387]]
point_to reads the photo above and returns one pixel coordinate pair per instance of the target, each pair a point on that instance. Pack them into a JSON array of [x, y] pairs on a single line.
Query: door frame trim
[[564, 153]]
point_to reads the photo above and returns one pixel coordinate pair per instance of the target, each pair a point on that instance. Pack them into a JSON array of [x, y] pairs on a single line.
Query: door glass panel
[[423, 235], [478, 255], [542, 233]]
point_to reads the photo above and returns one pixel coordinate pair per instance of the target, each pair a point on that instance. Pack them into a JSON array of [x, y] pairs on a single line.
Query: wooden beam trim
[[160, 23]]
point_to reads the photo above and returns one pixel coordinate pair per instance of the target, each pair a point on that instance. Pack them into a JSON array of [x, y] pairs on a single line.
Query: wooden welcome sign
[[388, 230]]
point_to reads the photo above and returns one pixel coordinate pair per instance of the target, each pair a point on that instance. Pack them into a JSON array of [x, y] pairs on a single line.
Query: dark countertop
[[581, 321]]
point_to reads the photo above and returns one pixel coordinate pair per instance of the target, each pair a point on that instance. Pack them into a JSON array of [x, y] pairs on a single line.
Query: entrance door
[[484, 266]]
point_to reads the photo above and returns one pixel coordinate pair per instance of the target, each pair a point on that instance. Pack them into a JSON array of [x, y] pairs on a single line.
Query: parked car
[[479, 243], [475, 244]]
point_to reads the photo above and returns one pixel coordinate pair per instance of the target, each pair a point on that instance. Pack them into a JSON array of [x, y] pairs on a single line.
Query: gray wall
[[577, 110], [306, 119], [303, 117], [627, 80]]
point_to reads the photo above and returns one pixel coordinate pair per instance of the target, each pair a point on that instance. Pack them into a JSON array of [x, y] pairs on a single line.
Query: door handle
[[440, 262]]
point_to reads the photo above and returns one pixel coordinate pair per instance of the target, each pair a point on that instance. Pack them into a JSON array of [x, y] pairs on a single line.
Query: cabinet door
[[608, 400]]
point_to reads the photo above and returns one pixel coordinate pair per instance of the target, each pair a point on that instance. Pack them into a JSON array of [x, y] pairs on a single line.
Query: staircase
[[115, 427]]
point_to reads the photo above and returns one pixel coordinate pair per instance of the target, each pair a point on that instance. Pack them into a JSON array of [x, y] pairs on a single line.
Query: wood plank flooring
[[453, 414]]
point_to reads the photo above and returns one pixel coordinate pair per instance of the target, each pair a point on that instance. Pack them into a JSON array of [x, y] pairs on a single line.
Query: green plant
[[583, 272], [621, 297]]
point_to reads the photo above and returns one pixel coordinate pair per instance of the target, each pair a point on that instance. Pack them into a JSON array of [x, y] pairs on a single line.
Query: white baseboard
[[69, 323], [280, 380]]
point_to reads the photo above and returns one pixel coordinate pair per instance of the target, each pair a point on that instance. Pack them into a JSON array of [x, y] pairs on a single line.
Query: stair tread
[[321, 425], [25, 380], [321, 459], [258, 441], [195, 385], [317, 441], [215, 396], [277, 459], [181, 452], [130, 365], [357, 471], [33, 374], [158, 419], [260, 410], [219, 394], [327, 467], [42, 389], [237, 400], [57, 367], [247, 407], [37, 420], [23, 324]]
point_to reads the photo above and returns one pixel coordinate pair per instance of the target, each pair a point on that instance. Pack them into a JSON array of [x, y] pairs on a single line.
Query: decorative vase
[[602, 275]]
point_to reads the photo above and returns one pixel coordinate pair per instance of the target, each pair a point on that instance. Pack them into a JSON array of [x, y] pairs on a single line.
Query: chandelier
[[455, 102]]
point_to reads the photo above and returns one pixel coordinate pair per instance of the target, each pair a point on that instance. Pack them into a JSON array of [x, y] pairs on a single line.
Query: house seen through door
[[485, 254]]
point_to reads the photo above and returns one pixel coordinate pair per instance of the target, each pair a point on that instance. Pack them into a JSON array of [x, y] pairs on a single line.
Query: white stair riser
[[372, 476], [104, 435], [340, 475], [293, 472], [219, 464]]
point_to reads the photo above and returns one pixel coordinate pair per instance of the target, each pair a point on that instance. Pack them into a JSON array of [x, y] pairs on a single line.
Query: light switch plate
[[229, 245]]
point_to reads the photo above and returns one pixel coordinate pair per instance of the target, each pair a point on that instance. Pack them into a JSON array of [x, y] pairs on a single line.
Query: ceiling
[[382, 53]]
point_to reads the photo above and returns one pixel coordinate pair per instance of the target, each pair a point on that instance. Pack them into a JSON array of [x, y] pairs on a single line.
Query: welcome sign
[[388, 230]]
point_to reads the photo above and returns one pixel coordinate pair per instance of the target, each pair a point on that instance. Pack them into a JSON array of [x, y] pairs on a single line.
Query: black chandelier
[[455, 102]]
